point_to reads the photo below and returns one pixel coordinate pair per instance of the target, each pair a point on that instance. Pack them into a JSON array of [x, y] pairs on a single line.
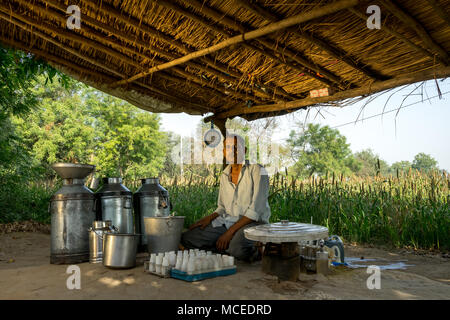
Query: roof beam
[[327, 77], [124, 36], [280, 25], [303, 64], [333, 51], [401, 37], [413, 23], [440, 10], [226, 74], [70, 36], [363, 91], [169, 96]]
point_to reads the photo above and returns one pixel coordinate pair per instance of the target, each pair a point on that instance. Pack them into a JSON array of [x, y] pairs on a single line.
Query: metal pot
[[114, 203], [150, 200], [163, 233], [96, 235], [119, 250]]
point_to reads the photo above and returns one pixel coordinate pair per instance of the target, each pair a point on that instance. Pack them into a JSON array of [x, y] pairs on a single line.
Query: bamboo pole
[[229, 22], [367, 90], [283, 24], [335, 52], [160, 36]]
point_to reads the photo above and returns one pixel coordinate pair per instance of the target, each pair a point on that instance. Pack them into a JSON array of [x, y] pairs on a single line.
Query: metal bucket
[[96, 235], [119, 250], [163, 233]]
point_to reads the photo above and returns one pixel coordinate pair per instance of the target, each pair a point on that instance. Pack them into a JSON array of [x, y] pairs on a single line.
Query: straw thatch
[[234, 57]]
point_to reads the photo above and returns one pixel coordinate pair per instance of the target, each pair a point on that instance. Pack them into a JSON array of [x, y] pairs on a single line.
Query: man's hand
[[203, 222], [224, 241]]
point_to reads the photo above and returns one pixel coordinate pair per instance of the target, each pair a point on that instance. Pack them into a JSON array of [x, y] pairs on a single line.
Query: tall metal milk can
[[114, 203], [72, 212], [150, 200]]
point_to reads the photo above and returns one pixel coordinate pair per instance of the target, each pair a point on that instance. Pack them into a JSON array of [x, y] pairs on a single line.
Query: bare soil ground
[[25, 273]]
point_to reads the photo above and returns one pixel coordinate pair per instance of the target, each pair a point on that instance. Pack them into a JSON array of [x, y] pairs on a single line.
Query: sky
[[418, 127]]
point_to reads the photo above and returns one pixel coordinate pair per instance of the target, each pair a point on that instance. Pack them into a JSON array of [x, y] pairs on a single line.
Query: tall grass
[[409, 210], [406, 210]]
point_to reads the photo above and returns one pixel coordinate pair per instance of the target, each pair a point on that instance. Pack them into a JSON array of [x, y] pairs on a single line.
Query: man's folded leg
[[203, 239], [240, 247]]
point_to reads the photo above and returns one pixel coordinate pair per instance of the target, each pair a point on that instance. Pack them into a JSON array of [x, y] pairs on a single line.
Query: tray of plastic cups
[[160, 264], [195, 265]]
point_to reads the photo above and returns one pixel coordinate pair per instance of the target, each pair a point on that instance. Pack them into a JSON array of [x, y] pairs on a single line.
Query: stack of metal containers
[[101, 227]]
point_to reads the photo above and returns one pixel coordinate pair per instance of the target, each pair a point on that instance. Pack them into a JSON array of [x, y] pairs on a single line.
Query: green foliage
[[424, 162], [18, 75], [320, 150]]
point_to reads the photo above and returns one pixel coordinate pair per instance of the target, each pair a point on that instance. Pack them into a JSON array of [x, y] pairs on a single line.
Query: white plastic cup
[[219, 260], [231, 261], [209, 253], [205, 263], [172, 259], [216, 265]]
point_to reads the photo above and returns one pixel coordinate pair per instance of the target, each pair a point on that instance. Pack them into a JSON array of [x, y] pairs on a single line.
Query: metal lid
[[286, 231], [151, 187], [112, 180], [113, 187], [73, 170], [72, 196], [101, 224]]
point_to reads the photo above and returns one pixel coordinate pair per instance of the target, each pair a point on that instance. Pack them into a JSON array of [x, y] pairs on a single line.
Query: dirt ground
[[25, 273]]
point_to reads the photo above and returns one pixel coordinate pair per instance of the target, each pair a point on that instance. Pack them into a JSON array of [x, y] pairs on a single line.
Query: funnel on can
[[73, 170]]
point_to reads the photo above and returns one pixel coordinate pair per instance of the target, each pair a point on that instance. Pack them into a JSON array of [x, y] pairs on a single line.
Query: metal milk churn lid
[[114, 203], [72, 212], [150, 200], [285, 231]]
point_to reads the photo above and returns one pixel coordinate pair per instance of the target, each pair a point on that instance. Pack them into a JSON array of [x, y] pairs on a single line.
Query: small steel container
[[163, 233], [96, 234]]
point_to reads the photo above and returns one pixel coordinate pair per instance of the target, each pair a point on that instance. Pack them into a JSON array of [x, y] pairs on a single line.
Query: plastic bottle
[[158, 262], [165, 266], [151, 265]]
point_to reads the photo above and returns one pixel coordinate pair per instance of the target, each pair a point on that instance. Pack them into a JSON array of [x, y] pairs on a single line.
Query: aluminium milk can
[[72, 211], [114, 203], [150, 200]]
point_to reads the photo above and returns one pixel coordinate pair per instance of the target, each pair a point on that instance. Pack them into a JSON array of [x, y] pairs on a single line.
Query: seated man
[[242, 203]]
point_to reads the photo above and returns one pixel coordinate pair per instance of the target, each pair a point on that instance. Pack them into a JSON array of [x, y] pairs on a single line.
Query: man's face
[[233, 151]]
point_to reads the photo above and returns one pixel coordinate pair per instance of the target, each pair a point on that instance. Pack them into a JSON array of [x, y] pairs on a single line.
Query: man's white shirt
[[249, 197]]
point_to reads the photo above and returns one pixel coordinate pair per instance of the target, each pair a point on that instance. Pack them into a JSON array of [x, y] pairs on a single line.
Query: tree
[[370, 164], [19, 73], [400, 166], [319, 150], [424, 162], [87, 126]]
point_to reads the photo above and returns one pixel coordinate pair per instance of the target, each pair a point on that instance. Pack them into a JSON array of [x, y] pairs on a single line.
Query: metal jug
[[96, 236], [114, 203], [150, 200]]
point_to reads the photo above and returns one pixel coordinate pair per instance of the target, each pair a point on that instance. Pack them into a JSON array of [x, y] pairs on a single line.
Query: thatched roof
[[234, 57]]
